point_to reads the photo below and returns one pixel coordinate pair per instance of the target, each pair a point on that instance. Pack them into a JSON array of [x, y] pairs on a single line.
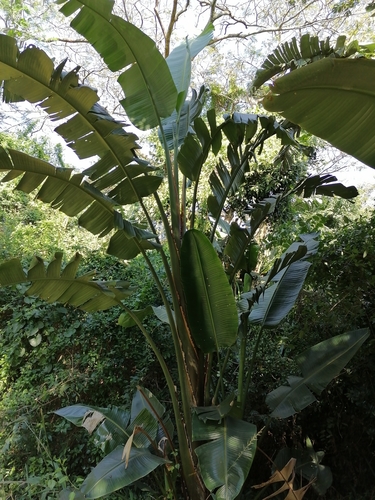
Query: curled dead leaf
[[285, 475]]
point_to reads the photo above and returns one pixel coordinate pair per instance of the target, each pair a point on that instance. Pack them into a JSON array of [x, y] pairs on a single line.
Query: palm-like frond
[[30, 75], [55, 285], [73, 195], [90, 131], [88, 128], [294, 54]]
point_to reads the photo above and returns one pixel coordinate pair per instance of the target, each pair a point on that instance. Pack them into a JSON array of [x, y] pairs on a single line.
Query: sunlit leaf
[[333, 99]]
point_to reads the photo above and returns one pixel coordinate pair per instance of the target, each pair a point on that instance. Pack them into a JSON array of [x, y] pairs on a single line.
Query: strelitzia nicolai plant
[[207, 447]]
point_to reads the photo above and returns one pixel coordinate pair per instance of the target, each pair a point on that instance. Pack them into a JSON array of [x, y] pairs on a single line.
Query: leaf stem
[[220, 383], [251, 368], [241, 376]]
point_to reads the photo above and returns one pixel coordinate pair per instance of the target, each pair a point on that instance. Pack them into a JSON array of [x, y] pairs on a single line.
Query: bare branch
[[66, 40], [159, 18], [169, 32]]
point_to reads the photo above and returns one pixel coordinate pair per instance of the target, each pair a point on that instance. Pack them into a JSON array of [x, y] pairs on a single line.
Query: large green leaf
[[73, 195], [148, 424], [333, 99], [225, 460], [111, 474], [62, 188], [211, 307], [270, 307], [150, 93], [125, 247], [109, 425], [144, 400], [239, 240], [179, 62], [319, 365], [89, 129], [112, 426], [194, 151], [217, 412], [53, 285], [126, 320], [225, 181], [176, 127], [325, 185], [278, 299]]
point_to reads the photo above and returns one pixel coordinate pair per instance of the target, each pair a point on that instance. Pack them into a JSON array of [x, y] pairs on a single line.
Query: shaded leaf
[[109, 425], [216, 412], [161, 313], [144, 398], [125, 244], [126, 321], [319, 365], [225, 460], [111, 475], [278, 299]]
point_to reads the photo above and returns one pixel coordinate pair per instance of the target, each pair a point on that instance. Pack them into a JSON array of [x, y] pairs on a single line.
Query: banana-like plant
[[207, 448]]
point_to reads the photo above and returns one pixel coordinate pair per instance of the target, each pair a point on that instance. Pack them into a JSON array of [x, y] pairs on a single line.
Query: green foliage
[[298, 97], [53, 356], [338, 294]]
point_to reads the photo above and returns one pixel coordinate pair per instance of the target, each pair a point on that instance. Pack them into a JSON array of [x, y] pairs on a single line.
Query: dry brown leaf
[[128, 445], [297, 494], [127, 449], [284, 487], [280, 475], [286, 474]]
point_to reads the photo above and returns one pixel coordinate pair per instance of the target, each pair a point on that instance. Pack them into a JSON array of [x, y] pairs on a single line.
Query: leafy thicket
[[338, 294], [55, 356]]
